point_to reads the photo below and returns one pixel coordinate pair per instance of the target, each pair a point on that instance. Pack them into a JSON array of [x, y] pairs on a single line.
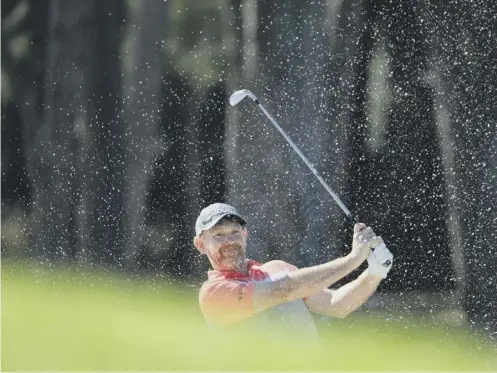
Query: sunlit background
[[117, 131]]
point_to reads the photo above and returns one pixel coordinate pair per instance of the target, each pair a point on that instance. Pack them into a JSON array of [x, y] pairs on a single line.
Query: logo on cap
[[218, 211], [215, 211]]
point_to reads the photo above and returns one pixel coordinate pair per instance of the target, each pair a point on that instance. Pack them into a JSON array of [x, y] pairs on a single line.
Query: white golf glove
[[380, 261]]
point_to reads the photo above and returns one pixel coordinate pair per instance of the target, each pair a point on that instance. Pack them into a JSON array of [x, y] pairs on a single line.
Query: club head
[[240, 95]]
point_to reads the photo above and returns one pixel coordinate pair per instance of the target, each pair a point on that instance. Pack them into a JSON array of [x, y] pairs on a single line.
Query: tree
[[143, 82], [103, 180], [23, 71], [466, 58], [52, 155], [400, 184]]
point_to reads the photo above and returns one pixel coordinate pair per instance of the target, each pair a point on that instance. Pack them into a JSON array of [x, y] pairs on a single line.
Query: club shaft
[[311, 167]]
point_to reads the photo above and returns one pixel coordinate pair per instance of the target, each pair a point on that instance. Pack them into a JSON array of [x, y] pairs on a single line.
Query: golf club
[[239, 95]]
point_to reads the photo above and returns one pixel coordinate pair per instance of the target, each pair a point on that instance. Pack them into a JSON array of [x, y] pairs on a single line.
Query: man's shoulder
[[278, 265], [223, 294], [218, 282], [276, 269], [210, 282]]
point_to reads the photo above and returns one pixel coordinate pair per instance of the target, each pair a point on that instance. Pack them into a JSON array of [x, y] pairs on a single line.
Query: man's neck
[[242, 268]]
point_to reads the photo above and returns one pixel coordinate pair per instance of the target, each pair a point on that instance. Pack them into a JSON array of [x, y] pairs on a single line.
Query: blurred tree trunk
[[27, 82], [212, 129], [350, 29], [239, 27], [24, 76], [65, 101], [169, 199], [410, 197], [102, 176], [143, 81], [293, 80], [233, 41], [251, 167], [466, 59], [72, 150], [453, 217], [210, 178], [202, 141]]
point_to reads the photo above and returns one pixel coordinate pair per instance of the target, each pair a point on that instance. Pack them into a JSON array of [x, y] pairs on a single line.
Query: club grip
[[353, 218]]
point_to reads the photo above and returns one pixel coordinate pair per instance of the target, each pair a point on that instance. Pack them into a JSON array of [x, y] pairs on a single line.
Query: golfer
[[241, 291]]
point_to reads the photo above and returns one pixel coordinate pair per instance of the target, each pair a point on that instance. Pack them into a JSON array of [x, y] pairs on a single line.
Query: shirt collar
[[254, 273]]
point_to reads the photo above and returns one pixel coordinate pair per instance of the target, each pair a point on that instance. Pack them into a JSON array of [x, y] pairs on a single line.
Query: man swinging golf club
[[241, 290]]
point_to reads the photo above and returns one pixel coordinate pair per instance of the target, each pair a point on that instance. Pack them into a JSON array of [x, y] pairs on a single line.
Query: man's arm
[[308, 281], [346, 299]]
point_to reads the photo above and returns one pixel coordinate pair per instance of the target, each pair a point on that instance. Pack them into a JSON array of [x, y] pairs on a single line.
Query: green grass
[[54, 320]]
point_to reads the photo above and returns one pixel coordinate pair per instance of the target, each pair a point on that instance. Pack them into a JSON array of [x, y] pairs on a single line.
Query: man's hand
[[364, 240], [380, 261]]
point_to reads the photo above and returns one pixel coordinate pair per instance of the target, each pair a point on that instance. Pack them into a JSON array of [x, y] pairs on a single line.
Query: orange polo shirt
[[227, 296]]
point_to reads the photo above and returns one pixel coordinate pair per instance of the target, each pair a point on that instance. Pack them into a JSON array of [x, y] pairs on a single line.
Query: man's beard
[[232, 255]]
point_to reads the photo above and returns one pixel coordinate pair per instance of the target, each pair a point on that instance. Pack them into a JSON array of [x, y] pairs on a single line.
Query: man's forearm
[[353, 295], [309, 281]]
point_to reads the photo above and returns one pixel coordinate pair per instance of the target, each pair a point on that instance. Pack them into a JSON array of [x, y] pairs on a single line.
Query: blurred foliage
[[6, 89], [87, 319], [378, 102], [194, 47], [14, 232], [195, 41]]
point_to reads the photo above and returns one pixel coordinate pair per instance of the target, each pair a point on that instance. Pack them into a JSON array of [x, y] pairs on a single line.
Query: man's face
[[225, 245]]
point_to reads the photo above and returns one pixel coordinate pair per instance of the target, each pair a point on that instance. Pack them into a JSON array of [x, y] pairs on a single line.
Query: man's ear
[[245, 233], [197, 242]]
